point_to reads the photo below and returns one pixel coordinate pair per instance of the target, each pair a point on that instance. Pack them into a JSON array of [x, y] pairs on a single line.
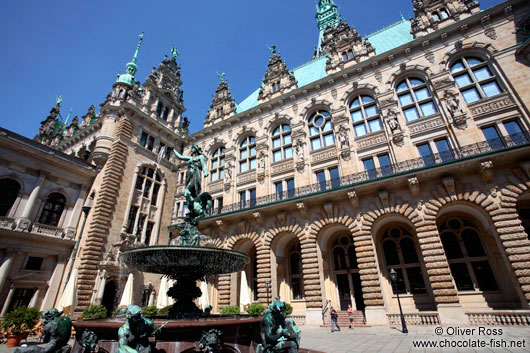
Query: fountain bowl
[[188, 261]]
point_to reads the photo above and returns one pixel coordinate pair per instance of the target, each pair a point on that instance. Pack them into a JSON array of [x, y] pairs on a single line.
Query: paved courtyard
[[384, 339]]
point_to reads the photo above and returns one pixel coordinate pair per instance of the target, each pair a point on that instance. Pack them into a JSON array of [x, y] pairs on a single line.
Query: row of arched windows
[[52, 209], [473, 76]]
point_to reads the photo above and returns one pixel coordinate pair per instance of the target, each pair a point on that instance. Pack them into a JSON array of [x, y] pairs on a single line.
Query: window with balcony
[[9, 190], [247, 198], [53, 209], [365, 115], [415, 99], [282, 143], [475, 79], [284, 189], [321, 130], [217, 164], [328, 178], [383, 163], [247, 154]]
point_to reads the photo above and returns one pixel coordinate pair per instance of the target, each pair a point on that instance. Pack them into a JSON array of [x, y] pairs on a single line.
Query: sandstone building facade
[[406, 150]]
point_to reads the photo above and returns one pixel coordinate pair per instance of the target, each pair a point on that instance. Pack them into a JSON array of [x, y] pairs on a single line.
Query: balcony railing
[[446, 157], [7, 223]]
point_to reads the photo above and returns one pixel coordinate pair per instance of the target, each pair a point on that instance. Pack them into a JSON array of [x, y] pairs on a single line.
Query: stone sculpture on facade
[[134, 334], [57, 331], [452, 103], [277, 333]]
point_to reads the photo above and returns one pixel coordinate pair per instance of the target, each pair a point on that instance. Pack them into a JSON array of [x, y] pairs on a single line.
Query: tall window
[[426, 153], [364, 115], [475, 79], [492, 137], [217, 170], [467, 257], [282, 143], [331, 174], [400, 254], [415, 99], [141, 220], [295, 272], [384, 165], [516, 134], [321, 130], [53, 209], [9, 189], [247, 198], [247, 154], [284, 188]]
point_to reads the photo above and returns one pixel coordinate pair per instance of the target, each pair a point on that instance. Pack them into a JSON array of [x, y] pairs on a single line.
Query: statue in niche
[[343, 137], [57, 331], [299, 149], [228, 171], [392, 121], [133, 336], [452, 104], [261, 163], [277, 333]]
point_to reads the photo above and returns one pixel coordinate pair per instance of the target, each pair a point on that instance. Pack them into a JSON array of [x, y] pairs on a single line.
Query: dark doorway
[[344, 291], [358, 291], [109, 297]]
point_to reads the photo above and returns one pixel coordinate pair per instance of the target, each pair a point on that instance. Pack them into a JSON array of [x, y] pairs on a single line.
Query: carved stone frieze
[[486, 170], [214, 187], [325, 155], [491, 106], [282, 167], [246, 178], [371, 141], [429, 125]]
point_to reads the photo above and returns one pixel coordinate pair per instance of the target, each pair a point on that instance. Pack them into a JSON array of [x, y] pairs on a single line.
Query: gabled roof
[[383, 40]]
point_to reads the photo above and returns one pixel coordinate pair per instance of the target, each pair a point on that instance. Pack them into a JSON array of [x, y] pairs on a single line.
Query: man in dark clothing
[[334, 318]]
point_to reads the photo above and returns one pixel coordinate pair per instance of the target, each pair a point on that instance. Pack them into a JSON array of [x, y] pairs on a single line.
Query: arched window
[[435, 16], [141, 220], [365, 115], [282, 143], [415, 98], [247, 154], [443, 14], [53, 209], [295, 272], [9, 189], [475, 79], [467, 257], [321, 130], [346, 273], [400, 254], [217, 170]]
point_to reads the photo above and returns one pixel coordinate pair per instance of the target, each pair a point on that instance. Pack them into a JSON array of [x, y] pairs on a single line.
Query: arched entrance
[[249, 281], [346, 274], [109, 297], [523, 210]]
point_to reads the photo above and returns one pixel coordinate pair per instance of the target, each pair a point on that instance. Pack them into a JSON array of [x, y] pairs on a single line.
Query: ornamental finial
[[221, 76], [174, 52], [141, 37]]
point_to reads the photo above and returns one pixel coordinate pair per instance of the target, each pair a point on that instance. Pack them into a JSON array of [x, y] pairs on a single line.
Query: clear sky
[[76, 48]]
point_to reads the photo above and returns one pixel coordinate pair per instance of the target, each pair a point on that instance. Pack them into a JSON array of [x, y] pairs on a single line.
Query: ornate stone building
[[405, 150]]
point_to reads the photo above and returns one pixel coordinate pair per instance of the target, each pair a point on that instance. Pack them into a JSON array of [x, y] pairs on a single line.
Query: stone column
[[35, 298], [8, 300], [24, 221], [54, 284], [224, 289], [76, 212], [158, 221], [6, 266], [312, 287]]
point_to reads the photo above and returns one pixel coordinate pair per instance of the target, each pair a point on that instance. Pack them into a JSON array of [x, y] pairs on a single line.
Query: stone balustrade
[[35, 228], [498, 318], [415, 319]]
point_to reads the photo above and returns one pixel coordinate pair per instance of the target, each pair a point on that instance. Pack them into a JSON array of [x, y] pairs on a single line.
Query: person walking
[[350, 315], [334, 318]]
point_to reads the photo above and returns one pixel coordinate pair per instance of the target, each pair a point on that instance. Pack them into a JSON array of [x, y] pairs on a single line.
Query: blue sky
[[76, 48]]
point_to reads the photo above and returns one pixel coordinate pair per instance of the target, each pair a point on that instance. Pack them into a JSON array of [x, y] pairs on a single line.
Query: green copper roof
[[131, 66], [391, 37], [383, 40]]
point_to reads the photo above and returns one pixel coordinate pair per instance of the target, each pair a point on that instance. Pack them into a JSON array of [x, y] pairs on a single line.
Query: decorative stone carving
[[328, 209], [452, 103], [486, 170], [278, 79], [449, 183], [246, 178], [354, 199], [344, 142], [221, 225], [428, 125], [258, 218], [223, 104], [372, 141], [300, 206], [282, 167], [326, 154], [211, 341], [493, 105], [414, 186]]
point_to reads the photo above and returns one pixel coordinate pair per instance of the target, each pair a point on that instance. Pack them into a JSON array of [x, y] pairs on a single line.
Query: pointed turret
[[131, 66], [50, 126], [223, 105], [328, 16], [278, 79], [429, 15]]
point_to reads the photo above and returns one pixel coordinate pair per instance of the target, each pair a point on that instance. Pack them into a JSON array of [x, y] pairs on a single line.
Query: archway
[[109, 297], [523, 210], [250, 271], [477, 265], [398, 249]]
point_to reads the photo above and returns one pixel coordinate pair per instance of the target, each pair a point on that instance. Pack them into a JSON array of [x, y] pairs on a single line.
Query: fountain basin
[[184, 261], [239, 334]]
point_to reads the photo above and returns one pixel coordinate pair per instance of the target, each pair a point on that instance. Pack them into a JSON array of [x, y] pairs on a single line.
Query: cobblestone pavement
[[384, 339]]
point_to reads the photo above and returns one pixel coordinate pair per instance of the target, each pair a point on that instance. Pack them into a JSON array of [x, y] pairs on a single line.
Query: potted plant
[[18, 323]]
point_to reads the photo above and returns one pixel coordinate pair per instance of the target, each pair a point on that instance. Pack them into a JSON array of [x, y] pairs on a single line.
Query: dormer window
[[276, 86], [347, 55], [443, 14], [159, 109], [219, 111], [165, 113], [436, 17]]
